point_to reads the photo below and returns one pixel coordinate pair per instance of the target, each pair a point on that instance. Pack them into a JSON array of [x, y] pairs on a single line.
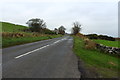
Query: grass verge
[[7, 42], [105, 65]]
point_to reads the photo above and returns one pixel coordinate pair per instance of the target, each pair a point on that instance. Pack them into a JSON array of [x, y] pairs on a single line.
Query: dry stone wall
[[107, 49]]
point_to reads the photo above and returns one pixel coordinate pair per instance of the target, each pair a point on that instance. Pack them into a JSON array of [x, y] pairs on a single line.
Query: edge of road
[[85, 72], [32, 42]]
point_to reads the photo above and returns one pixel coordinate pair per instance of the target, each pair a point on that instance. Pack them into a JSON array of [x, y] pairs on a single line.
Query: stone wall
[[107, 49]]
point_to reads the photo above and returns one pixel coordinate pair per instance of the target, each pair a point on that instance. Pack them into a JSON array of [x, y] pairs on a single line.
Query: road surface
[[52, 58]]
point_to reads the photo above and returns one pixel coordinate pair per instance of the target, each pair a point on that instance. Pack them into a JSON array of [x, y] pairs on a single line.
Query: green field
[[104, 64], [108, 43], [9, 29]]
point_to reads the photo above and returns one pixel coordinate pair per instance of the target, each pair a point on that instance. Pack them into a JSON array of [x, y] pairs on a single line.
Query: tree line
[[38, 25], [103, 37]]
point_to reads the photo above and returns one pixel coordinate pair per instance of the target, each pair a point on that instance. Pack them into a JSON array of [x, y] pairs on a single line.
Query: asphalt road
[[52, 58]]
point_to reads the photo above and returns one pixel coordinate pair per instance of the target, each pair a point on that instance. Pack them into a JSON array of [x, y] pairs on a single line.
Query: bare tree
[[36, 25], [76, 28], [61, 30]]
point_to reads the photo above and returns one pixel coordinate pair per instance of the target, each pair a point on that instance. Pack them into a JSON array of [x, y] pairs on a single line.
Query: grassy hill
[[13, 34], [9, 27]]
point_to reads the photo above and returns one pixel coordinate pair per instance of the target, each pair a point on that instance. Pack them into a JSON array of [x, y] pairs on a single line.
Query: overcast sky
[[96, 16]]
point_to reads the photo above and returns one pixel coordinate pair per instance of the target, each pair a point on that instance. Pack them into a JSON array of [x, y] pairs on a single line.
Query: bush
[[11, 34], [81, 35], [47, 31], [89, 44], [92, 36], [18, 34], [103, 37]]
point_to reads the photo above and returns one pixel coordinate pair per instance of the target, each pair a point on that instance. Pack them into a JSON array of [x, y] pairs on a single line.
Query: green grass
[[108, 43], [6, 42], [9, 27], [12, 41], [104, 64], [0, 35]]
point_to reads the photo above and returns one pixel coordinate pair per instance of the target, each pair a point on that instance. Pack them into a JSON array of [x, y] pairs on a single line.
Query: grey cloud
[[95, 17]]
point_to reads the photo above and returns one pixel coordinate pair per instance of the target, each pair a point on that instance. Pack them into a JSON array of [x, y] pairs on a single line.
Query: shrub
[[81, 35], [103, 37], [47, 31], [17, 35], [89, 44], [11, 34]]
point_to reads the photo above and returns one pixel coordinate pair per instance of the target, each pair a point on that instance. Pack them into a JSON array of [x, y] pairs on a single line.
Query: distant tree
[[56, 30], [92, 36], [76, 28], [61, 30], [36, 25]]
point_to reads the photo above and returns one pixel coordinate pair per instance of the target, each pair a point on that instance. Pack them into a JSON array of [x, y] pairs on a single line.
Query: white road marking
[[34, 42], [57, 41], [39, 48], [70, 39], [31, 52]]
